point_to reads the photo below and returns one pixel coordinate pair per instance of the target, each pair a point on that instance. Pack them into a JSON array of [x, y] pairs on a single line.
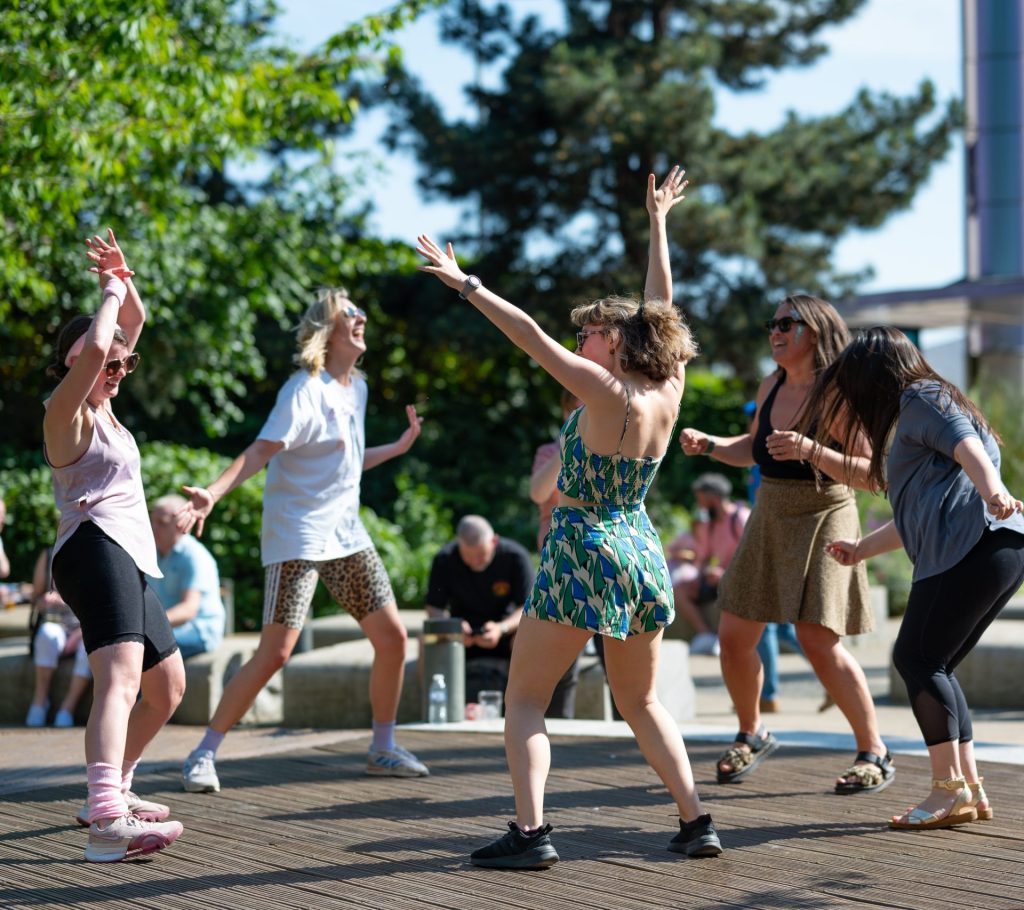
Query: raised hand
[[661, 200], [105, 253], [693, 442], [442, 263], [412, 432], [1003, 505], [107, 274], [196, 511], [844, 552], [787, 445]]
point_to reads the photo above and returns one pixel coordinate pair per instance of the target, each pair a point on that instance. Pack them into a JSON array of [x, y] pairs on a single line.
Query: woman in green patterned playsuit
[[602, 568]]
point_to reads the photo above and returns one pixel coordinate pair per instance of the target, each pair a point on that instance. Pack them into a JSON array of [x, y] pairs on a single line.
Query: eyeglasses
[[581, 337], [784, 324], [352, 310], [129, 364]]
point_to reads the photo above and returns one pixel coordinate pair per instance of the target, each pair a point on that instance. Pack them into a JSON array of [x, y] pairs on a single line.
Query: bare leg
[[844, 680], [276, 644], [945, 762], [742, 671], [387, 635], [76, 689], [44, 676], [632, 666], [683, 594], [542, 653], [162, 689], [116, 672]]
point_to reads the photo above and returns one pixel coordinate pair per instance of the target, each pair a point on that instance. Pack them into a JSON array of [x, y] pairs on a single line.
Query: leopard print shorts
[[358, 582]]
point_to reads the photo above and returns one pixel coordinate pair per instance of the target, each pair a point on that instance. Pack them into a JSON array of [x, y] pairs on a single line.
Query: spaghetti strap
[[625, 426]]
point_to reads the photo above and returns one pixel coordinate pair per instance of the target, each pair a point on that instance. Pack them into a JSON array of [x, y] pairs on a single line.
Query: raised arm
[[86, 358], [202, 499], [660, 201], [587, 381], [379, 454], [108, 255]]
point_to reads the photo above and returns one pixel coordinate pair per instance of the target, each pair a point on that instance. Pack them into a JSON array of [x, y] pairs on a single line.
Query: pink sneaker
[[137, 806], [128, 837]]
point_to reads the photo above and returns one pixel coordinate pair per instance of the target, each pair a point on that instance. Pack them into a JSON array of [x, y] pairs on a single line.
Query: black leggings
[[97, 578], [946, 616]]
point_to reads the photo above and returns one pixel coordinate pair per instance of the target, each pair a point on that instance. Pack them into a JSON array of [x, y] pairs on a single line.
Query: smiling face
[[107, 386], [349, 333], [796, 346]]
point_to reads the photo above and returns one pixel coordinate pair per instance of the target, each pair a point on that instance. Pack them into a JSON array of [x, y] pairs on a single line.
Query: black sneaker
[[518, 850], [696, 838]]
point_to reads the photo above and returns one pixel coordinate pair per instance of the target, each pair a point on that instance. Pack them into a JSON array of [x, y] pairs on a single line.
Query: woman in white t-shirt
[[313, 444]]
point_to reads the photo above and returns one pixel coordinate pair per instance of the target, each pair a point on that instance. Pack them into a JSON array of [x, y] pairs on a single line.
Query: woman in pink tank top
[[104, 545]]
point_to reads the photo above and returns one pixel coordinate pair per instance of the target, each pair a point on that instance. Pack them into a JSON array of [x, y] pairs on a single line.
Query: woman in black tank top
[[780, 572]]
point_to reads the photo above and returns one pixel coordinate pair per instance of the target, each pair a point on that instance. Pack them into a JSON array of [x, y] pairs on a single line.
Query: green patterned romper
[[602, 567]]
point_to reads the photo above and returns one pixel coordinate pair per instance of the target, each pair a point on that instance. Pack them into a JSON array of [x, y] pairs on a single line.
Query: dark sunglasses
[[352, 310], [130, 363], [783, 325], [581, 337]]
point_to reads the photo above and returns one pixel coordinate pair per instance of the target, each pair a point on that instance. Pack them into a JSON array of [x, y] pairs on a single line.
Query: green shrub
[[407, 544]]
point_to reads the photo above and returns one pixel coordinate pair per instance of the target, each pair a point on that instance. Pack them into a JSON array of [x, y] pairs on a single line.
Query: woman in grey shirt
[[937, 458]]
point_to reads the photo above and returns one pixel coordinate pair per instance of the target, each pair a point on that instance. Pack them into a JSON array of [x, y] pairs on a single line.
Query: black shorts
[[97, 578]]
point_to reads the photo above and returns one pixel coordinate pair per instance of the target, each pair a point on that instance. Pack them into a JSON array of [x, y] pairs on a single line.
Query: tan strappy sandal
[[978, 795], [961, 812]]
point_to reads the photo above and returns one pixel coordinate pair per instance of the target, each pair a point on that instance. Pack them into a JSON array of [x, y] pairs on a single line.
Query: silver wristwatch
[[472, 284]]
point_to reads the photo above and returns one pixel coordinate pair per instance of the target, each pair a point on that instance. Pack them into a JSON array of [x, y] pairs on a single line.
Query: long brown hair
[[824, 320], [72, 330], [860, 392]]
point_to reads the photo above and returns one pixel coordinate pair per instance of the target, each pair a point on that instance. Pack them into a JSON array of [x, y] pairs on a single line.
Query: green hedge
[[407, 541]]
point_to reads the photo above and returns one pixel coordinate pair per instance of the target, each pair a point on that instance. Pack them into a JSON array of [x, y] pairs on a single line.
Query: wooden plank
[[309, 829]]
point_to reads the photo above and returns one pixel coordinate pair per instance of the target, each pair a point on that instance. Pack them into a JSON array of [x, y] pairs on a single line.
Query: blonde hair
[[655, 336], [316, 327]]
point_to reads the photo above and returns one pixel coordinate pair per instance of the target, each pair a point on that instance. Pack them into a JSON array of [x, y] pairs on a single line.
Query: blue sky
[[892, 45]]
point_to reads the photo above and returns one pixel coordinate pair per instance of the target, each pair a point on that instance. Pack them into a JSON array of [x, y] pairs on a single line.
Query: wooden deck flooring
[[307, 829]]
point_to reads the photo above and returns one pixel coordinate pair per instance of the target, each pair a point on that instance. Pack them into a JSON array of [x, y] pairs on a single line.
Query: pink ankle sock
[[105, 797], [127, 773]]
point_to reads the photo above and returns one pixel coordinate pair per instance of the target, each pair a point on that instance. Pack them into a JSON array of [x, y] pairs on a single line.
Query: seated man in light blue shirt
[[190, 588]]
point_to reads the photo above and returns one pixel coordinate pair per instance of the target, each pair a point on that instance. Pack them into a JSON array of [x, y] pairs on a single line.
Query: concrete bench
[[990, 675], [18, 680], [329, 686], [14, 621]]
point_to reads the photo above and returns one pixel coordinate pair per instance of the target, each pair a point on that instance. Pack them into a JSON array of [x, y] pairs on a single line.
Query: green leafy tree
[[562, 145], [208, 145]]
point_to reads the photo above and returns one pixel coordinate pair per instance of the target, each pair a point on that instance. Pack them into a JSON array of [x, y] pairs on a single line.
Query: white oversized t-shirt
[[311, 495]]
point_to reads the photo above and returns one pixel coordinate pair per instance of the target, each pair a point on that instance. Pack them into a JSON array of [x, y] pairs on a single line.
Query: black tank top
[[777, 470]]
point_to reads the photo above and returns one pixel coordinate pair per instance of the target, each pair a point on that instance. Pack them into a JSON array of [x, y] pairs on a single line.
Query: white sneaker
[[137, 806], [199, 774], [128, 837], [705, 643], [397, 762]]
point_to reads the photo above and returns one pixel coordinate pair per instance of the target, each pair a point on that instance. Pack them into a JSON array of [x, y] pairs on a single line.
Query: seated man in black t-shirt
[[484, 580]]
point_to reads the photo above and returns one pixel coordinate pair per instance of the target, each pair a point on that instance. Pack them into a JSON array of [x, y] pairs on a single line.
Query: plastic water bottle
[[437, 700]]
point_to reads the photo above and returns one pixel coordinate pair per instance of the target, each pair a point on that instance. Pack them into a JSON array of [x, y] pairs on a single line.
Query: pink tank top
[[104, 486]]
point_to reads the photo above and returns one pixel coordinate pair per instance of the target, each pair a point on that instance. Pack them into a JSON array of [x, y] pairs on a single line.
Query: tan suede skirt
[[781, 573]]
